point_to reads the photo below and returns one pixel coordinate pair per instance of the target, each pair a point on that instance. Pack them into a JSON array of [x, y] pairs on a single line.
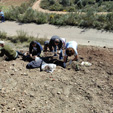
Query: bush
[[56, 7], [3, 35], [22, 36], [65, 2], [41, 18]]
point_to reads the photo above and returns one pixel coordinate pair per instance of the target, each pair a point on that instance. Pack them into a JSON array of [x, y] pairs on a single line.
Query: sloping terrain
[[12, 2], [89, 90]]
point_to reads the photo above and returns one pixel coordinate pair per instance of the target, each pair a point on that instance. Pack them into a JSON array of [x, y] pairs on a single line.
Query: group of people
[[56, 45], [2, 16]]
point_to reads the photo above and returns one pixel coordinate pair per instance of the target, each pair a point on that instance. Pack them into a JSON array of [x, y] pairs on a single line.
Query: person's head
[[1, 43], [70, 51], [33, 43], [46, 43], [57, 41]]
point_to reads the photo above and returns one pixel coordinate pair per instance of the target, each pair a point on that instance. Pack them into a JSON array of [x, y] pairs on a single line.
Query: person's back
[[52, 40], [8, 51], [72, 44]]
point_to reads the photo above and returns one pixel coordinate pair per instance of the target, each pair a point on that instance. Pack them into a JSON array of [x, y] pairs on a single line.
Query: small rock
[[6, 70], [13, 109], [0, 87], [2, 104], [58, 93], [53, 79], [13, 64], [4, 65], [12, 74], [20, 69], [25, 74]]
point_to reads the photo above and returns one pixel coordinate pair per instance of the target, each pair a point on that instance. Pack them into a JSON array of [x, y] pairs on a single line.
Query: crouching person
[[8, 51], [46, 46], [39, 63], [35, 50], [55, 42], [71, 49]]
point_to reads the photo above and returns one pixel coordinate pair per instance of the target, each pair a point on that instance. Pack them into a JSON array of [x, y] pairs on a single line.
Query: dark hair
[[70, 51], [57, 41], [33, 42]]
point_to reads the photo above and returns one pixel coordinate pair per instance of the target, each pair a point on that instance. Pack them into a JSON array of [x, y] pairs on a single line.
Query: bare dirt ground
[[12, 2], [89, 90]]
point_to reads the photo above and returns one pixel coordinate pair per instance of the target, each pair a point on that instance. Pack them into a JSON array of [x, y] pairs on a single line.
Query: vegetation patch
[[78, 5], [21, 37], [90, 19]]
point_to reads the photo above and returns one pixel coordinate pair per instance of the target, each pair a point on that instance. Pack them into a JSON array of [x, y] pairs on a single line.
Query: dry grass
[[12, 2]]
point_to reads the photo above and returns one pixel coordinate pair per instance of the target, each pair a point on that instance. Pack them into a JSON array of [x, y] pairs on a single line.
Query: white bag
[[86, 64], [48, 67]]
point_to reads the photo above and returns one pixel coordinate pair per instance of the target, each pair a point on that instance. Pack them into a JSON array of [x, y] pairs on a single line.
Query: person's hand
[[64, 65], [58, 52], [70, 61], [30, 55]]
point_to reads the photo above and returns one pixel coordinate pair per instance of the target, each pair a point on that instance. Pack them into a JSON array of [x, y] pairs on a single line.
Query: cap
[[1, 42], [63, 40], [57, 41]]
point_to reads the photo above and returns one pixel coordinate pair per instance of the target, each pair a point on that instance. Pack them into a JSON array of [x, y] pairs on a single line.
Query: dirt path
[[36, 6], [82, 36]]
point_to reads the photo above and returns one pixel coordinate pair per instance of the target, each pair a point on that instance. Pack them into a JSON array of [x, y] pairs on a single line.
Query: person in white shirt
[[71, 49], [64, 43], [2, 16]]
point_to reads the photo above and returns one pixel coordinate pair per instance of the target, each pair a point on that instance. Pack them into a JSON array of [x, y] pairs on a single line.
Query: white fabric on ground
[[48, 67]]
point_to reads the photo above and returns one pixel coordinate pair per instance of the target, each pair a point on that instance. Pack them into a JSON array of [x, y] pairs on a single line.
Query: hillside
[[89, 90], [86, 90], [12, 2]]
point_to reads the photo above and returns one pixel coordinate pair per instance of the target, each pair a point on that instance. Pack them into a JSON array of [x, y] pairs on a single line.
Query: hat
[[57, 41], [63, 40], [1, 42]]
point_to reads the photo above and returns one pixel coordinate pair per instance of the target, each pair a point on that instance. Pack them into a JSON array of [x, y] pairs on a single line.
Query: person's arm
[[39, 48], [64, 63], [65, 59], [75, 58], [30, 49], [50, 46], [60, 45], [2, 53]]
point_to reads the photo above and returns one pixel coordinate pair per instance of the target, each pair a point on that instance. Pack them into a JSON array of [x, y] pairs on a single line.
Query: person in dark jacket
[[55, 42], [46, 46], [35, 49]]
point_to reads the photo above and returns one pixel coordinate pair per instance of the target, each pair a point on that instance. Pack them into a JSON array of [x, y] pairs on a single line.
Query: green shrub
[[56, 7], [52, 2], [41, 18], [3, 35], [22, 36], [65, 2]]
